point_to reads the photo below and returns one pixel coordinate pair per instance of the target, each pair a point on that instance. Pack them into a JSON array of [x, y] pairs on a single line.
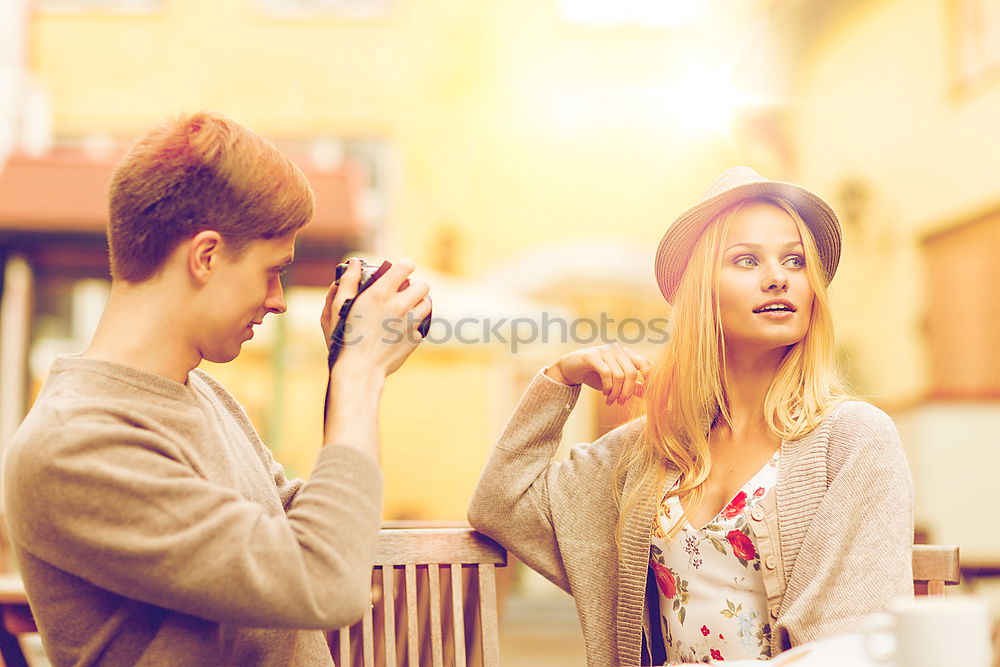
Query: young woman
[[751, 506]]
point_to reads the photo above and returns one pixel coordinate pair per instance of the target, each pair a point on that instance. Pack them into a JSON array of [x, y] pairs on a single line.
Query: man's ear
[[204, 250]]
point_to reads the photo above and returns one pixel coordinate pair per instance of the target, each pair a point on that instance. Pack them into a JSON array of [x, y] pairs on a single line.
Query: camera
[[369, 274]]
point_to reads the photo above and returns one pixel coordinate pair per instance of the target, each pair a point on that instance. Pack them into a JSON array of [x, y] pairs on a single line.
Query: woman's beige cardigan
[[834, 535]]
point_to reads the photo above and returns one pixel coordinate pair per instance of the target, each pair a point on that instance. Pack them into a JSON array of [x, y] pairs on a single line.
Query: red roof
[[66, 191]]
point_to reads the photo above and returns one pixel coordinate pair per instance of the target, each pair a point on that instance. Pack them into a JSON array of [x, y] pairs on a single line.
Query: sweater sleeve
[[118, 506], [857, 552], [523, 497], [287, 489]]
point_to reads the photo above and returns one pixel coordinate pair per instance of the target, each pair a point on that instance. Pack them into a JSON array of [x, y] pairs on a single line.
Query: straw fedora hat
[[734, 185]]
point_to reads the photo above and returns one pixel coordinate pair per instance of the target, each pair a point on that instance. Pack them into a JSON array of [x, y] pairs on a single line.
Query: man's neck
[[142, 329]]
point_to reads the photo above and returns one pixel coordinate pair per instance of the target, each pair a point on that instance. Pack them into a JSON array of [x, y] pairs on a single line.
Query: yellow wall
[[519, 130], [438, 416], [434, 449], [508, 124], [876, 101]]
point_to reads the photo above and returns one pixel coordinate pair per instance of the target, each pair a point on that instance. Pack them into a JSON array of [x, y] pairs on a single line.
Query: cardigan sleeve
[[523, 498], [856, 554], [118, 506]]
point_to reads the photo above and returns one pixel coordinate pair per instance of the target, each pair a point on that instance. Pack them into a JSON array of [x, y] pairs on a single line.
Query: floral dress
[[712, 600]]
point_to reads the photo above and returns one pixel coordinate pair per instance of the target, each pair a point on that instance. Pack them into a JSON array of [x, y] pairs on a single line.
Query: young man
[[151, 524]]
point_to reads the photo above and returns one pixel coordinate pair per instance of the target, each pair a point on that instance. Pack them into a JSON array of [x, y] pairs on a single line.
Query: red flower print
[[720, 636], [705, 631], [759, 492], [742, 545], [736, 506], [664, 579], [716, 654]]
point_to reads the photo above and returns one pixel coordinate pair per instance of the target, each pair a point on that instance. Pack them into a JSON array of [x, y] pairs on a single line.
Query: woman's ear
[[204, 250]]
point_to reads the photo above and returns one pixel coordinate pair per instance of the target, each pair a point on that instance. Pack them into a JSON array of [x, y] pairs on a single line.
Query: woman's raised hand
[[616, 371]]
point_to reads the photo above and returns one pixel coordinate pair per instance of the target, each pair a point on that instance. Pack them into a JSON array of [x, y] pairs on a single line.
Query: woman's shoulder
[[858, 428], [610, 446], [855, 416], [626, 434]]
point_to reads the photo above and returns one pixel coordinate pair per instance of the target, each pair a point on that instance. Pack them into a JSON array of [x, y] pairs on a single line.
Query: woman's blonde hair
[[686, 391]]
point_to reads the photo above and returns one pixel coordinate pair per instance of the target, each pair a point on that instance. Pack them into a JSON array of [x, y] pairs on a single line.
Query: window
[[963, 310], [116, 6], [344, 8], [976, 39], [651, 13], [373, 156]]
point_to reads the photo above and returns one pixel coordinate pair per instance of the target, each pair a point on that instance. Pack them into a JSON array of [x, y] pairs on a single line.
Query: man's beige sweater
[[834, 534], [153, 527]]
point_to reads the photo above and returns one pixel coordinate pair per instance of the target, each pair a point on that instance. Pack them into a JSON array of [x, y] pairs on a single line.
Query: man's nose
[[275, 302]]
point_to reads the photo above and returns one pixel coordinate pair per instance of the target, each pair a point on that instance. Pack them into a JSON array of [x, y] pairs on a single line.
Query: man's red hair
[[197, 172]]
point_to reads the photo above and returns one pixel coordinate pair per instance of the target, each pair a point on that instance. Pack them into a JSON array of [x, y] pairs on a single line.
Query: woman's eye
[[795, 262], [746, 261]]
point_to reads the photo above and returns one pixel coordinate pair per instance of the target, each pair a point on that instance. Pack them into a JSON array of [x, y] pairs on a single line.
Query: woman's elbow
[[483, 513]]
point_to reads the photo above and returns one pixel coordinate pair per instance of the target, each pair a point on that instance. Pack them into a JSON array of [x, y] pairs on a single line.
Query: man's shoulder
[[77, 406], [64, 401], [213, 390], [64, 419], [205, 383], [83, 396]]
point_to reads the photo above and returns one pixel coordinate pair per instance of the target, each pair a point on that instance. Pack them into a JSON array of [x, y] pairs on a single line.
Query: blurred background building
[[528, 154]]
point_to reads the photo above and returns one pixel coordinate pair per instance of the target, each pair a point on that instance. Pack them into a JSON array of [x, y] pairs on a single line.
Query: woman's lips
[[777, 315]]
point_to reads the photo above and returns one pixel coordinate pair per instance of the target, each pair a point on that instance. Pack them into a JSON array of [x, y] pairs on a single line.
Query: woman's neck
[[748, 379]]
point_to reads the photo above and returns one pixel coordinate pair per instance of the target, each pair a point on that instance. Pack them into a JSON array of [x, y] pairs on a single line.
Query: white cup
[[931, 631]]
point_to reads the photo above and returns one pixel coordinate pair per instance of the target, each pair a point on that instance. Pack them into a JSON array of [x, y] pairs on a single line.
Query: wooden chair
[[413, 559], [934, 567], [433, 602]]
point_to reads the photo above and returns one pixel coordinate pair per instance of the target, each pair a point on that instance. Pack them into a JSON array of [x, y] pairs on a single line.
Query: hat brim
[[674, 251]]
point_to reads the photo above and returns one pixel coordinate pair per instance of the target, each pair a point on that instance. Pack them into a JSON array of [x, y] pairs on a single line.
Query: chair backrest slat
[[488, 601], [345, 647], [412, 633], [458, 614], [389, 611], [434, 581], [451, 621], [367, 639]]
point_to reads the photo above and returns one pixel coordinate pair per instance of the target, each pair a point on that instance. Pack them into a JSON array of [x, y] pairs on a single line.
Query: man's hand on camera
[[337, 295], [380, 331], [379, 334]]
